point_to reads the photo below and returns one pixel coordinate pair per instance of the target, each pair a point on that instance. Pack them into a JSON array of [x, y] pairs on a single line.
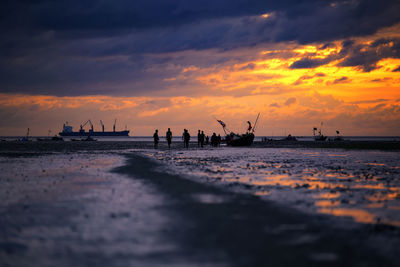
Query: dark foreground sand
[[145, 217], [42, 147], [251, 232]]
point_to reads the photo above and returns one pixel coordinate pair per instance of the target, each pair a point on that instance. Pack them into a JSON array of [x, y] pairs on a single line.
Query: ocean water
[[194, 138], [363, 186]]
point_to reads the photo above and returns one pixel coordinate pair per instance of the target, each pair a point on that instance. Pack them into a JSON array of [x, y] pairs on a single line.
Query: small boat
[[84, 140], [57, 138], [239, 140], [25, 138], [54, 138], [289, 138], [234, 139], [338, 137], [320, 136]]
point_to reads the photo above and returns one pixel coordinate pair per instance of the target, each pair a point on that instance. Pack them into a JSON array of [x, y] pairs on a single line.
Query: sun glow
[[293, 86]]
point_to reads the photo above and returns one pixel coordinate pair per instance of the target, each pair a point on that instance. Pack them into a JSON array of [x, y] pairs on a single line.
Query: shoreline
[[68, 146]]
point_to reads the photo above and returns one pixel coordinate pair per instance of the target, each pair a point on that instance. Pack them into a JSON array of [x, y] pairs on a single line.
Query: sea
[[178, 138]]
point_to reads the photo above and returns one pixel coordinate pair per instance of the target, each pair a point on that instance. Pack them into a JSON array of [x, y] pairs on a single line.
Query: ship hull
[[90, 133], [320, 138], [244, 140]]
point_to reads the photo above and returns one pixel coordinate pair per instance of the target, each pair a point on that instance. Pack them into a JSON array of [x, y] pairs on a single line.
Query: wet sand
[[121, 209], [252, 232], [68, 146]]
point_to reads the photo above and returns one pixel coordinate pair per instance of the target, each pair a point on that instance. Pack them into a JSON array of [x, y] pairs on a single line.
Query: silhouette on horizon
[[156, 139], [198, 138], [214, 140], [168, 136], [186, 138], [202, 137]]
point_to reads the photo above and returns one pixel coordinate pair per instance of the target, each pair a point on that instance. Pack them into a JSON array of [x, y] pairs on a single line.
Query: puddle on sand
[[72, 206], [362, 185]]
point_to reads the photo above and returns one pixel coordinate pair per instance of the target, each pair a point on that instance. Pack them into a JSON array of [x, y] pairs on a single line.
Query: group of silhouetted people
[[202, 139], [215, 140]]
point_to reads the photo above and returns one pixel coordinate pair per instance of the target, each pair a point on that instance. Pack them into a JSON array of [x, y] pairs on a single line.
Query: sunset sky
[[180, 64]]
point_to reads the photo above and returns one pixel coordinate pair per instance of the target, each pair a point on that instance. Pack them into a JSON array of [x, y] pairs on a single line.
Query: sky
[[154, 64]]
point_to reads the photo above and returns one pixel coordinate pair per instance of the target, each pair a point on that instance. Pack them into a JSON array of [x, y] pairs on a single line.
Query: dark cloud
[[249, 66], [290, 101], [381, 80], [308, 63], [106, 47], [396, 69], [327, 45], [366, 57], [308, 77], [343, 79], [370, 101], [274, 105], [363, 56]]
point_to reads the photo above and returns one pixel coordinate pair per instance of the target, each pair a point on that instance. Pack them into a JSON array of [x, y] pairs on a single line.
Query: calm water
[[194, 138], [361, 185]]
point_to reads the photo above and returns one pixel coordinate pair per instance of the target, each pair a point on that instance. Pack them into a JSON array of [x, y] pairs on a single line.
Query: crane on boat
[[91, 125]]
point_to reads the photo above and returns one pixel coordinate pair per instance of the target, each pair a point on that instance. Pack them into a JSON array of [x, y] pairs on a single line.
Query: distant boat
[[68, 131], [289, 138], [320, 136], [338, 137], [239, 140], [54, 138], [233, 139], [90, 139]]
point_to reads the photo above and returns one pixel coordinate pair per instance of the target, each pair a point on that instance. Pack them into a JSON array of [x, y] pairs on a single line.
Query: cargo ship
[[68, 130]]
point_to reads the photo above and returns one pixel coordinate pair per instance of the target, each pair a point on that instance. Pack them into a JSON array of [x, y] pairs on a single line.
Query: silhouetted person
[[198, 138], [207, 140], [168, 136], [219, 139], [202, 137], [186, 138], [183, 137], [156, 139], [214, 140]]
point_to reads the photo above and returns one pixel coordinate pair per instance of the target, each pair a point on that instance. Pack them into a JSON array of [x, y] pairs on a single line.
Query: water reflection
[[363, 185], [358, 215]]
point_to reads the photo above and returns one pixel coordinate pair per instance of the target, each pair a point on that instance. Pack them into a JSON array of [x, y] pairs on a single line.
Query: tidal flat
[[126, 204]]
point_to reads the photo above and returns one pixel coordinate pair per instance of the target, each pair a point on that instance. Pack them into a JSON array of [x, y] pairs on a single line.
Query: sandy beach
[[126, 204]]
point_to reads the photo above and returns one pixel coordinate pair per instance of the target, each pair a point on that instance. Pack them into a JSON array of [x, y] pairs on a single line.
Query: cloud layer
[[85, 47], [176, 63]]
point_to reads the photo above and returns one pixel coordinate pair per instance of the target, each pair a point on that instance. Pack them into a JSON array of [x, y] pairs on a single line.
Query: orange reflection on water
[[339, 175], [375, 164], [375, 205], [306, 182], [369, 186], [327, 195], [277, 180], [262, 193], [327, 203], [358, 215], [380, 197]]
